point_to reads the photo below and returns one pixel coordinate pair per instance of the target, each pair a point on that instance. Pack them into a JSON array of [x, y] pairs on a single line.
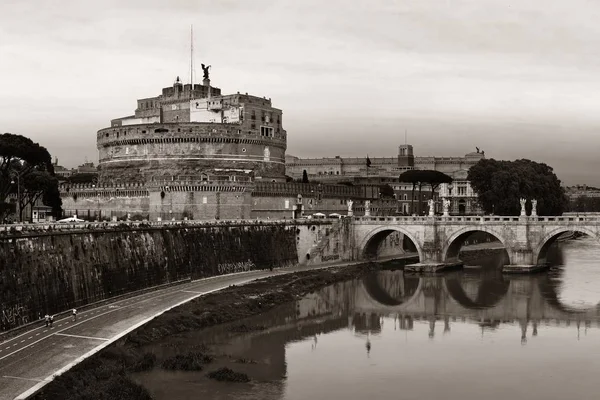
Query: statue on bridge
[[349, 203], [523, 202], [431, 204], [446, 205], [367, 208], [534, 208]]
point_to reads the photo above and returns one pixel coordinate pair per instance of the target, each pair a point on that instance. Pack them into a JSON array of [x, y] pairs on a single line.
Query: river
[[469, 334]]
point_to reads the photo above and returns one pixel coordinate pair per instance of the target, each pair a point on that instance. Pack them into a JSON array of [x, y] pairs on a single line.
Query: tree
[[304, 176], [27, 165], [84, 177], [411, 176], [38, 184], [501, 184], [386, 191], [435, 179], [423, 177], [21, 155]]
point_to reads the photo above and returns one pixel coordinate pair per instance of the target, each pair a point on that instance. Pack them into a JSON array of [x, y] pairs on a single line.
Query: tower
[[406, 157]]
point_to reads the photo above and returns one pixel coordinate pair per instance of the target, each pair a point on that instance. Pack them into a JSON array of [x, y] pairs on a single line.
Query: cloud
[[348, 75]]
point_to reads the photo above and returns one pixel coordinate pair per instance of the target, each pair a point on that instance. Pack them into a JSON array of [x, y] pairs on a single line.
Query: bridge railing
[[480, 219], [48, 227]]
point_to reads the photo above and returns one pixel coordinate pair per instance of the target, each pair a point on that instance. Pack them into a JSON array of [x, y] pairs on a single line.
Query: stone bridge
[[438, 239]]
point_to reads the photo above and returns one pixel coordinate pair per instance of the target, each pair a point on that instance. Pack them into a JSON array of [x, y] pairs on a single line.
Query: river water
[[469, 334]]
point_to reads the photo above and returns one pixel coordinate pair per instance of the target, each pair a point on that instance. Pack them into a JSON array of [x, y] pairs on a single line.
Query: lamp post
[[18, 196]]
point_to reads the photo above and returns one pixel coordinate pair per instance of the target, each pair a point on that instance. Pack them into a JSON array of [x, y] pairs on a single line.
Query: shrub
[[228, 375], [191, 361]]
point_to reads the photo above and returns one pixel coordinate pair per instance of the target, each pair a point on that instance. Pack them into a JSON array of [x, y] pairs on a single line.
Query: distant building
[[60, 171], [386, 170], [86, 168]]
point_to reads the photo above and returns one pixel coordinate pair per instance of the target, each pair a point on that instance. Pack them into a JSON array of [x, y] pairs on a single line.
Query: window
[[266, 131], [253, 116], [405, 197], [253, 126]]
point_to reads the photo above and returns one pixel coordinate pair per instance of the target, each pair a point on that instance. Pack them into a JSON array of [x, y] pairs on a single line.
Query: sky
[[518, 79]]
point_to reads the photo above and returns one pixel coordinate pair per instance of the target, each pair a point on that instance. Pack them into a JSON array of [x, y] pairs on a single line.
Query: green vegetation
[[501, 184], [304, 176], [192, 361], [84, 177], [146, 363], [26, 171], [228, 375], [386, 191], [418, 178]]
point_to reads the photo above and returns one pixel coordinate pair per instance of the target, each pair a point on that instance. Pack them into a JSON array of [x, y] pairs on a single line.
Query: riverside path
[[32, 359]]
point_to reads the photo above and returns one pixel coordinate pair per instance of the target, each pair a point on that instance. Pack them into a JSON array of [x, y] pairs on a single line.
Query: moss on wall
[[51, 273]]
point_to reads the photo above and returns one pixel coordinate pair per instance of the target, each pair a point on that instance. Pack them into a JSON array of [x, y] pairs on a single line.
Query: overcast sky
[[519, 79]]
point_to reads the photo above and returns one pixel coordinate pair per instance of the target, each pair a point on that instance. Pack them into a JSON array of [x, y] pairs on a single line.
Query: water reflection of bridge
[[487, 299]]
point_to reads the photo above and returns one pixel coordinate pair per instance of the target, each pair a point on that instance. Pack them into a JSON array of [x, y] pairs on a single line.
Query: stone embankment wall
[[51, 271]]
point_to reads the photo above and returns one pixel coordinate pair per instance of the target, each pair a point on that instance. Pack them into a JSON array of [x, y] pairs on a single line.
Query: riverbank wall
[[58, 268]]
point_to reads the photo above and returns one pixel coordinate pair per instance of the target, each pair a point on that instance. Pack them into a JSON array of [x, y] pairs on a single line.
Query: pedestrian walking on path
[[51, 320], [47, 319], [74, 315]]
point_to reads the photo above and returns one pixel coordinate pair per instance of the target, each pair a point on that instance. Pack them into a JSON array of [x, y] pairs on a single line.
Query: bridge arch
[[378, 294], [372, 240], [454, 243], [489, 293], [541, 250]]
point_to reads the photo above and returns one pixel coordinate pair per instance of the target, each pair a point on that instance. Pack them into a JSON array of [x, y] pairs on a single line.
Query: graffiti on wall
[[13, 316], [229, 268]]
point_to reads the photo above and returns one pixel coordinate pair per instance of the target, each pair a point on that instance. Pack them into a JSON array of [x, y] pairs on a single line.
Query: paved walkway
[[30, 360]]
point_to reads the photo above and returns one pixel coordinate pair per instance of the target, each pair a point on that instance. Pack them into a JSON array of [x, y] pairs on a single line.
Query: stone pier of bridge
[[438, 239]]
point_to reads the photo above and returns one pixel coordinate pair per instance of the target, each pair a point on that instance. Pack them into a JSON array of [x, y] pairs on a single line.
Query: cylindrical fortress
[[143, 153]]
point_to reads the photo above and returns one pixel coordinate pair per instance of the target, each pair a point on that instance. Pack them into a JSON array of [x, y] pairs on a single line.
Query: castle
[[192, 152]]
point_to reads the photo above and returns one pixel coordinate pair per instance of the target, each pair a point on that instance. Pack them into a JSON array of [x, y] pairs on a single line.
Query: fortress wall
[[105, 206], [222, 205], [49, 272]]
